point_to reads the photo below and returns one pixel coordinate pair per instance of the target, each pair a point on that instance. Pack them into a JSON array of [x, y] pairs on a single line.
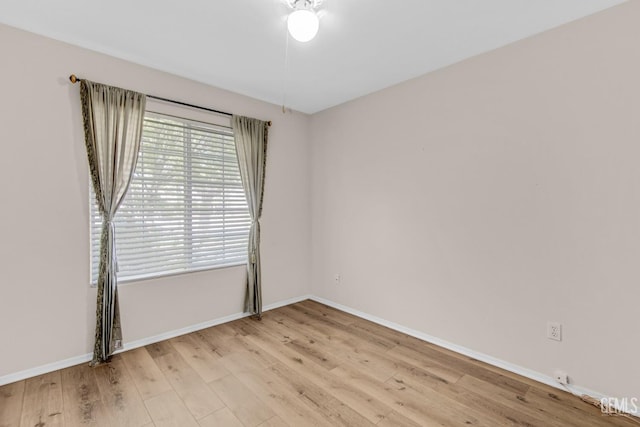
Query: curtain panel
[[250, 137], [113, 120]]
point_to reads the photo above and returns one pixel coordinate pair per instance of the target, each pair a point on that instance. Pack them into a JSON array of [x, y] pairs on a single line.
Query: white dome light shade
[[303, 24]]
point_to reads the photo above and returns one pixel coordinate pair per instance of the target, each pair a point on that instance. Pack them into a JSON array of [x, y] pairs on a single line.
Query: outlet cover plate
[[561, 377], [554, 331]]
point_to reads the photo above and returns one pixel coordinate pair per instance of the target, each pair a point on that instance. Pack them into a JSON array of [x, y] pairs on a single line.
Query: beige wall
[[46, 305], [478, 202]]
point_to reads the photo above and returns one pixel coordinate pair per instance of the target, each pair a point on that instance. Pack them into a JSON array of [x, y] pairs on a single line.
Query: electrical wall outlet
[[554, 331], [561, 377]]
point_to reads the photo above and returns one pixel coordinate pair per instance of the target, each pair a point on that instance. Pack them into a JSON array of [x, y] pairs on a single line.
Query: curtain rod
[[74, 79]]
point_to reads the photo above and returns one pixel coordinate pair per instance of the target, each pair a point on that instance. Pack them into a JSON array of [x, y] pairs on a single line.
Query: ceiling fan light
[[303, 24]]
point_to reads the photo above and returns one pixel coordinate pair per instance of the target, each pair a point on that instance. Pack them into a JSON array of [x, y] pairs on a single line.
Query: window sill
[[137, 279]]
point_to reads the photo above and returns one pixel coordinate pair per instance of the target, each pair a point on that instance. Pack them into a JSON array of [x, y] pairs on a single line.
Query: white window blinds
[[185, 209]]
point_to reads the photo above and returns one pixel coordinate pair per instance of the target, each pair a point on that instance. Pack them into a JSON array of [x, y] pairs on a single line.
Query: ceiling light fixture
[[303, 23]]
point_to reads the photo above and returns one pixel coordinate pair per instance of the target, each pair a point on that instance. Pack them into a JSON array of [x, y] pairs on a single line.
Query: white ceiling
[[239, 45]]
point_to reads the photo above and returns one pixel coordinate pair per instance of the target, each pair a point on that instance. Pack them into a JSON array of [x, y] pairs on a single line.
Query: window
[[185, 209]]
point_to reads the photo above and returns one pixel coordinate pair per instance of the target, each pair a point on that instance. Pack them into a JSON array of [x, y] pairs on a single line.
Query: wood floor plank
[[120, 395], [242, 361], [268, 341], [221, 344], [11, 397], [158, 349], [394, 419], [146, 375], [365, 331], [274, 422], [205, 361], [423, 362], [312, 318], [483, 406], [329, 312], [419, 375], [365, 380], [497, 413], [361, 356], [407, 405], [316, 326], [460, 365], [194, 392], [221, 418], [450, 359], [311, 325], [515, 401], [356, 398], [346, 347], [273, 324], [407, 341], [42, 403], [260, 358], [268, 387], [316, 398], [385, 337], [244, 404], [81, 398], [236, 353], [237, 327], [384, 365], [428, 405], [167, 410], [315, 352]]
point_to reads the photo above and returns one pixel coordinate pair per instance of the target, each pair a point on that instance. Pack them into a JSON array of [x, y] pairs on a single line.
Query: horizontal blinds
[[185, 209]]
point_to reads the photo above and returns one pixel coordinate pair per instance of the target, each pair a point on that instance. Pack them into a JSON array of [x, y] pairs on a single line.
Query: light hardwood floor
[[302, 365]]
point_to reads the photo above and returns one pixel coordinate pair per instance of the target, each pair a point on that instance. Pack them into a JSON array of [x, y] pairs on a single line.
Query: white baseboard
[[525, 372], [54, 366], [44, 369]]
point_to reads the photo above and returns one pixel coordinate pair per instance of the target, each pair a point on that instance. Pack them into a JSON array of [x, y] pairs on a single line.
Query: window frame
[[179, 114]]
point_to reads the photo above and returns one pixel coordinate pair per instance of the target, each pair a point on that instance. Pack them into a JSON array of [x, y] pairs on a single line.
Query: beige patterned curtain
[[113, 128], [251, 147]]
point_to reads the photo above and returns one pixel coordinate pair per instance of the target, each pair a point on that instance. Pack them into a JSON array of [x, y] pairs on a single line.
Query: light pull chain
[[286, 72]]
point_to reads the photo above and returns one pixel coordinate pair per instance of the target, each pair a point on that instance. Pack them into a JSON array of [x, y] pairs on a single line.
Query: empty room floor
[[302, 365]]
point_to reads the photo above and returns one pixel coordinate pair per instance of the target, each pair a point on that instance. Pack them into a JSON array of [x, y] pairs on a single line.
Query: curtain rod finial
[[73, 79]]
